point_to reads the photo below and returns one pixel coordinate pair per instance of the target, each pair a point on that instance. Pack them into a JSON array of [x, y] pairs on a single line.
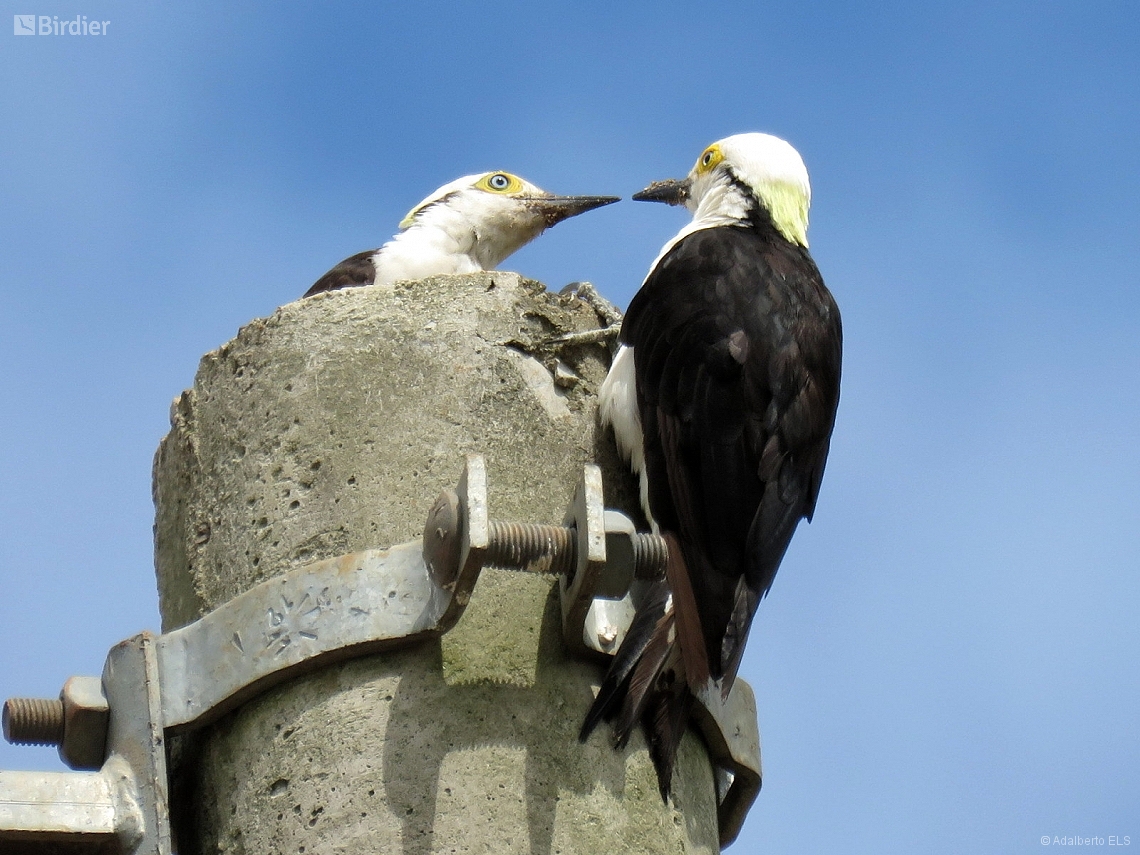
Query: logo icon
[[24, 25]]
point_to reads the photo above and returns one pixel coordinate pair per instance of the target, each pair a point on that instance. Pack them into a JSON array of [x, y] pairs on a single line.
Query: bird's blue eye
[[499, 182]]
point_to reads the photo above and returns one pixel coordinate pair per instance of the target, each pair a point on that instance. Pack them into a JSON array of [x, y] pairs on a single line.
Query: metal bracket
[[332, 610], [123, 807], [586, 516], [732, 735]]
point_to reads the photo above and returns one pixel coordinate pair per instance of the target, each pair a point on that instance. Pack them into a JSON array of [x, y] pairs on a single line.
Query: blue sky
[[948, 661]]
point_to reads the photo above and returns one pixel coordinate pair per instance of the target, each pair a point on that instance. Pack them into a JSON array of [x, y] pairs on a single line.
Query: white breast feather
[[618, 408], [441, 240]]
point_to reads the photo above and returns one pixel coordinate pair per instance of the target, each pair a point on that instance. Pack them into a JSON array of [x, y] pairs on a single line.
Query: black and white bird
[[470, 224], [723, 396]]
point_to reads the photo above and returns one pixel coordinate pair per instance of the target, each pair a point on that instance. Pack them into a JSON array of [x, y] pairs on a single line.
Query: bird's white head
[[487, 217], [734, 175]]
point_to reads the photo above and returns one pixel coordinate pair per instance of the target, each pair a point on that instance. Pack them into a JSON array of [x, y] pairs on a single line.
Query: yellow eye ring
[[499, 182], [709, 158]]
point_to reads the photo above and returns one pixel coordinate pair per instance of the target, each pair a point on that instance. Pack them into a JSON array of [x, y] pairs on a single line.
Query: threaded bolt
[[33, 721], [520, 544], [650, 552]]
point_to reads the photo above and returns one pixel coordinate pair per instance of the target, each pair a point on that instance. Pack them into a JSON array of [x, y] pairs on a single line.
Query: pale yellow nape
[[789, 209]]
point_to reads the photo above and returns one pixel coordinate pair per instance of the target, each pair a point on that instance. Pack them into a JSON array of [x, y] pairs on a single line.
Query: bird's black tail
[[646, 683]]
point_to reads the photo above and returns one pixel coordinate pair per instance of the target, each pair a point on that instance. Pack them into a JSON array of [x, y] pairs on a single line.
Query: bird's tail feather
[[646, 682], [613, 690], [688, 619], [669, 714]]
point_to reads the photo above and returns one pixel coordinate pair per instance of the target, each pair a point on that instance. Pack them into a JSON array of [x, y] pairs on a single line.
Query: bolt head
[[442, 542]]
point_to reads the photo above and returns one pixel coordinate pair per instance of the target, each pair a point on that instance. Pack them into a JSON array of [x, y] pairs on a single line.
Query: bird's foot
[[556, 352], [606, 311]]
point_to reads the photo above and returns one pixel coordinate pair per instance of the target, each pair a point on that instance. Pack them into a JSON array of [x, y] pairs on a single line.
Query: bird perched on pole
[[722, 396], [470, 224]]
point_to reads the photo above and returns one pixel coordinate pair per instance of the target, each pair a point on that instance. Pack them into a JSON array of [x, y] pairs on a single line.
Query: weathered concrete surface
[[330, 427]]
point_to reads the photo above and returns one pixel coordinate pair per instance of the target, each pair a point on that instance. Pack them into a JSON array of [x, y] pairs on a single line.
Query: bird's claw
[[598, 336], [606, 311]]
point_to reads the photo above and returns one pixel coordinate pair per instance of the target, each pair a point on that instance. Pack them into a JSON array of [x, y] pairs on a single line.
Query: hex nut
[[616, 577], [85, 719]]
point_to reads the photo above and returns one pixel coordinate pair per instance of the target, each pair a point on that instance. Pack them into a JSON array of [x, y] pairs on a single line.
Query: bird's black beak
[[671, 191], [555, 209]]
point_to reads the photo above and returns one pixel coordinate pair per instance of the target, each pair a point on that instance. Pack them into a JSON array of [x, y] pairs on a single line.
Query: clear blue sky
[[948, 662]]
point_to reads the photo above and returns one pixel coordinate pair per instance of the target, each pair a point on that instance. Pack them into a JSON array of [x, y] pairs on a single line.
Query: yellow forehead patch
[[500, 182], [709, 158]]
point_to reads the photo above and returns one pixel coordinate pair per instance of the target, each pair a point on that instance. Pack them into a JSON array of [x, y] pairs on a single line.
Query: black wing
[[737, 347], [350, 273]]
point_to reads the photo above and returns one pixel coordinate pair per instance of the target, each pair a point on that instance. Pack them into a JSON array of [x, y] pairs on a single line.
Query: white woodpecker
[[723, 396], [473, 223]]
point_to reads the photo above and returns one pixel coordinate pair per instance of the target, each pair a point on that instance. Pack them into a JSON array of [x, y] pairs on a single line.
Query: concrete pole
[[328, 428]]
